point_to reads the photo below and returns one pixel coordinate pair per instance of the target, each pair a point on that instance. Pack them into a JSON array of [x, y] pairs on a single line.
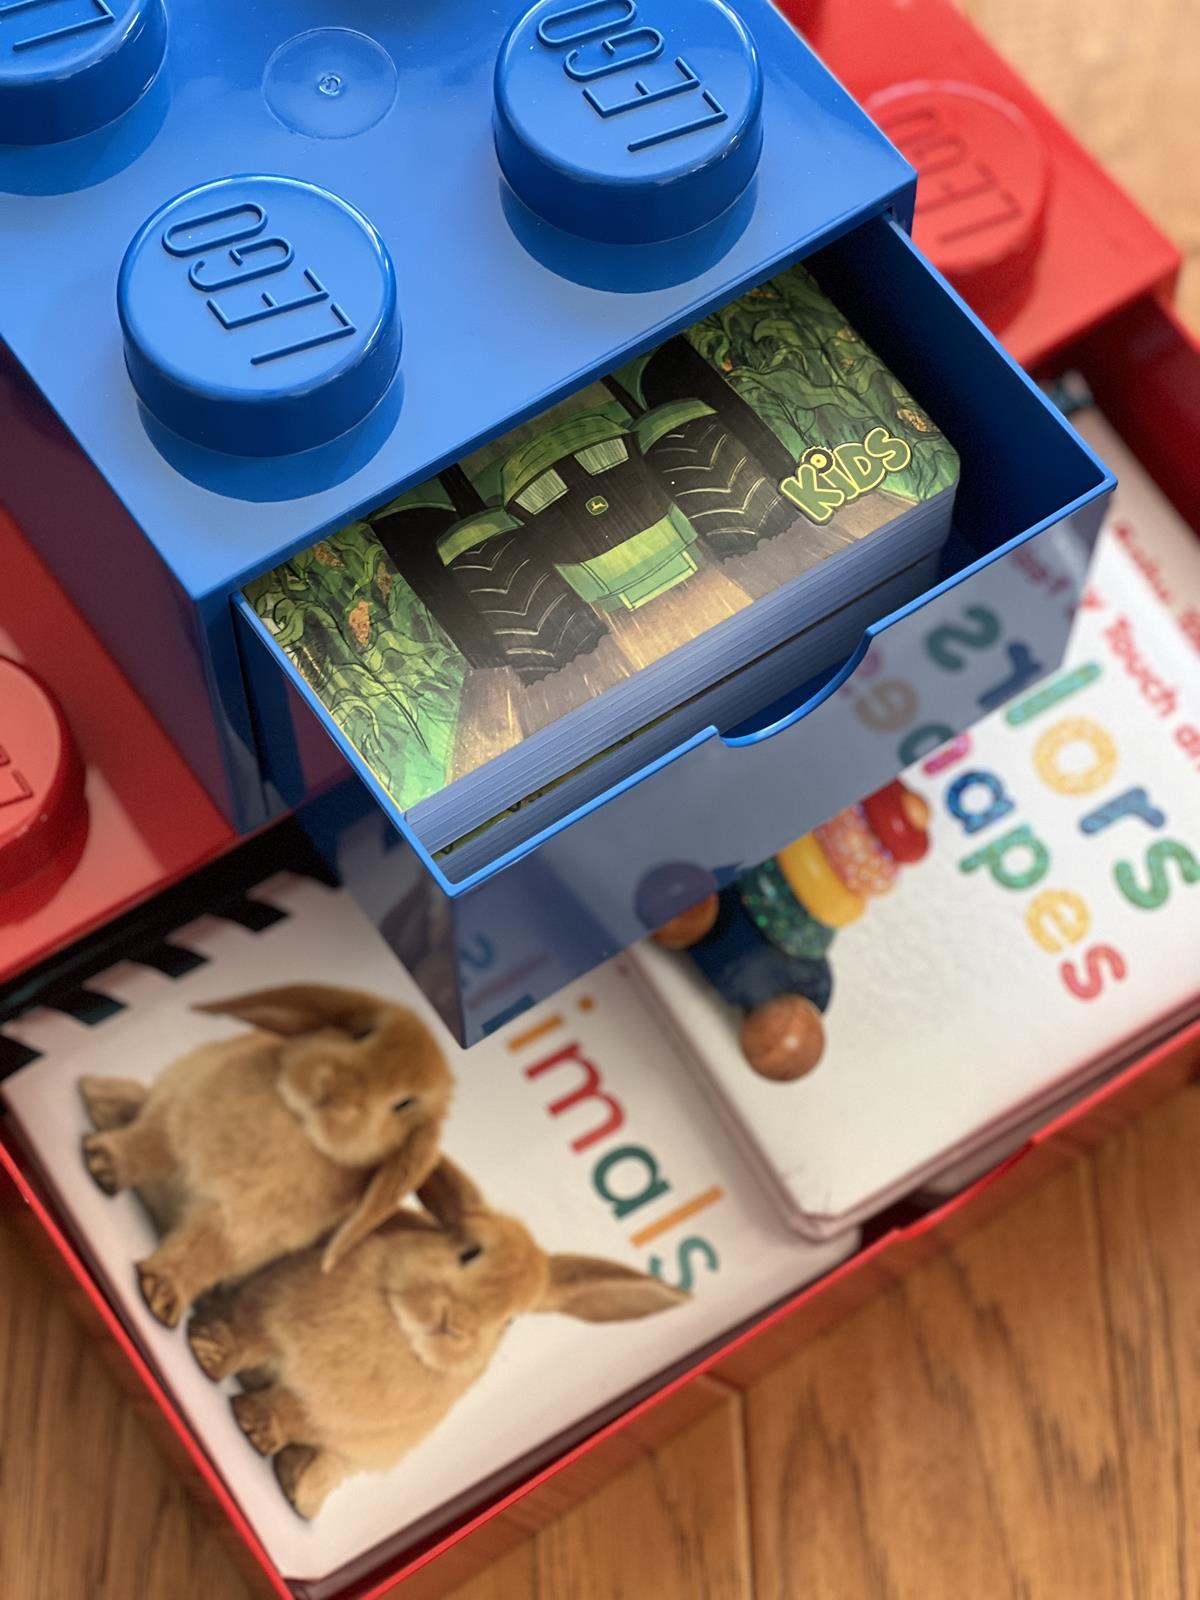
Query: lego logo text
[[601, 39], [230, 250]]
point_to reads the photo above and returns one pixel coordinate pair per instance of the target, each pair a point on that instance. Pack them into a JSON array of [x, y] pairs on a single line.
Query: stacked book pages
[[670, 549]]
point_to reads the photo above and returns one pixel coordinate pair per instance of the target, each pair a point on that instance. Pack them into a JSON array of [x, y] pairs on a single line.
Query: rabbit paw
[[101, 1162], [305, 1476], [112, 1102], [214, 1346], [290, 1466], [257, 1418], [160, 1295]]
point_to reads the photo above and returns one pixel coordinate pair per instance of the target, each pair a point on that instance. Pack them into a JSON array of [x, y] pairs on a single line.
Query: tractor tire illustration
[[533, 620], [409, 533], [479, 574], [719, 487], [718, 461]]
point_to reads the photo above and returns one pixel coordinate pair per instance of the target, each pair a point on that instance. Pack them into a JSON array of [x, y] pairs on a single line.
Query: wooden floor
[[1021, 1418]]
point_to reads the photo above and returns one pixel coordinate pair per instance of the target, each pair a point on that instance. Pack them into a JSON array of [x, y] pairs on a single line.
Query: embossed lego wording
[[590, 20], [285, 258], [616, 54], [227, 254], [967, 194], [601, 40], [186, 238], [14, 786], [49, 20]]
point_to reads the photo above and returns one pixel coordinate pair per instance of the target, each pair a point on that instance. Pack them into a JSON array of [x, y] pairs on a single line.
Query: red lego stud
[[984, 183], [43, 813]]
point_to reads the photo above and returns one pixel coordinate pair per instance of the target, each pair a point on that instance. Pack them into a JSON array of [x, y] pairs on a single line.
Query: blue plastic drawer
[[204, 368], [571, 889]]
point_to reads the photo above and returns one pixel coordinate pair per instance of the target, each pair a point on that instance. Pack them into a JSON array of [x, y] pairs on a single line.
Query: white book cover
[[1052, 923], [580, 1119], [1166, 554]]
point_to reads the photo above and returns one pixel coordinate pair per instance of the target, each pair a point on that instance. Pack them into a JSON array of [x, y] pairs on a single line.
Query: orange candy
[[689, 927], [783, 1039]]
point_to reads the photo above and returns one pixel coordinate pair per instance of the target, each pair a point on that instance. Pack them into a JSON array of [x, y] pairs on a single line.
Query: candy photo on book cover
[[381, 1275], [624, 522], [764, 943]]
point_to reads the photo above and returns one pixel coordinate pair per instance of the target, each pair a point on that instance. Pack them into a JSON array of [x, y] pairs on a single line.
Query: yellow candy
[[817, 886]]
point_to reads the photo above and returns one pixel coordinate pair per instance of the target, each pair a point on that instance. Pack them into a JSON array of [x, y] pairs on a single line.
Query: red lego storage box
[[588, 1090], [85, 988], [1054, 256], [1023, 221], [1015, 212]]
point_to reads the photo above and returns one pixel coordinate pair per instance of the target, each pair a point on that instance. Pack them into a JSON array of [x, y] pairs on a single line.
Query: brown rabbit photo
[[376, 1341], [347, 1372], [319, 1121]]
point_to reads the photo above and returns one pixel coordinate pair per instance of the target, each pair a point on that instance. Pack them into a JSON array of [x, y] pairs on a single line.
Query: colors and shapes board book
[[567, 584], [1165, 551], [1010, 919], [579, 1120]]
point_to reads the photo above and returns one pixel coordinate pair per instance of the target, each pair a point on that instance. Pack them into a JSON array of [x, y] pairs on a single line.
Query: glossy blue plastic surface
[[68, 67], [232, 338], [997, 618], [624, 133], [503, 312], [391, 110]]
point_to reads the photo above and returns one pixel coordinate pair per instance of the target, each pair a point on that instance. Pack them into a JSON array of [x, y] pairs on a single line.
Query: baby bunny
[[324, 1118], [348, 1373]]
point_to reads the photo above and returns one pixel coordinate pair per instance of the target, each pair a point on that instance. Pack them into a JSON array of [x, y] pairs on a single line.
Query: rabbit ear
[[299, 1008], [398, 1176], [448, 1194], [596, 1290]]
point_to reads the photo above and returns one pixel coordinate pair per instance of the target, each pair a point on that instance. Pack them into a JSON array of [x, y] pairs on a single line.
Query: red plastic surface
[[113, 814], [1144, 369], [1031, 230], [43, 812], [985, 182]]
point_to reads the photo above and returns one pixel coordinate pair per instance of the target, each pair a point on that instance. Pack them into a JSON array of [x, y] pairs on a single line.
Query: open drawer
[[137, 400], [573, 878]]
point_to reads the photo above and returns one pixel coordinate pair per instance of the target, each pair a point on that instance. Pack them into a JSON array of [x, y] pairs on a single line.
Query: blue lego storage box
[[263, 268]]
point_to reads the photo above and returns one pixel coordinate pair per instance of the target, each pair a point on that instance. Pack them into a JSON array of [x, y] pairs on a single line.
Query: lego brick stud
[[67, 67], [984, 184], [259, 316], [628, 121], [42, 807]]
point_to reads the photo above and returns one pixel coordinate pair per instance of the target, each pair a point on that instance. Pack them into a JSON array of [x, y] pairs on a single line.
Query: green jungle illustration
[[594, 540]]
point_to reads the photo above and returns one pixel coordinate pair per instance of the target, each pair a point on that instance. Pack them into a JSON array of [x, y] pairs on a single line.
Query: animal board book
[[759, 479], [930, 970], [379, 1274]]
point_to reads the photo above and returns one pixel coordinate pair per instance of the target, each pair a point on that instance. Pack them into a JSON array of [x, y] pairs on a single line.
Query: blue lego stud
[[67, 67], [628, 121], [259, 316]]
